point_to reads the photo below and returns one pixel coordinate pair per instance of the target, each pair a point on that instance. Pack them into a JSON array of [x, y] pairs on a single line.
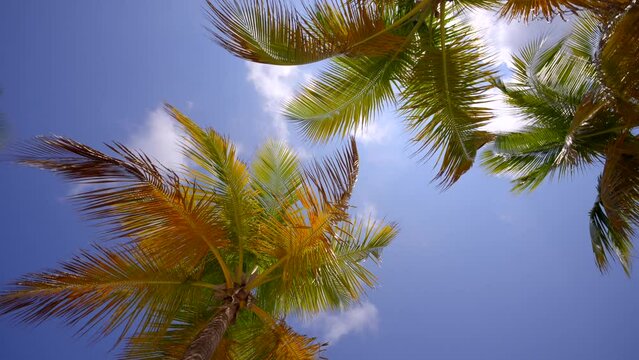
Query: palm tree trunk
[[204, 345]]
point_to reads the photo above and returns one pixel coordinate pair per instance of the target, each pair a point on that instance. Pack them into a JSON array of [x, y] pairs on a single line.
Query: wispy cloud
[[276, 85], [505, 117], [357, 319], [368, 210], [504, 38], [380, 131], [159, 138]]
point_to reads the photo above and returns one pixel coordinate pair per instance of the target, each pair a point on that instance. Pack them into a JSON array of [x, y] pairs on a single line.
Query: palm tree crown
[[580, 96], [580, 99], [213, 258]]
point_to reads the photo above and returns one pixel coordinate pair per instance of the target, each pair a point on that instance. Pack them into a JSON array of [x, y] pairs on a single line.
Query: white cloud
[[376, 132], [159, 138], [358, 319], [504, 38], [369, 210], [275, 84], [505, 118]]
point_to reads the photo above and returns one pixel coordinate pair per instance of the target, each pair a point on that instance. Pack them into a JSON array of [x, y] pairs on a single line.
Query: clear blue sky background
[[476, 273]]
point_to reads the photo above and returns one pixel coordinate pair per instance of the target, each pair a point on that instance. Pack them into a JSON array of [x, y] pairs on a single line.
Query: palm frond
[[365, 239], [615, 216], [223, 176], [530, 9], [334, 178], [618, 61], [357, 28], [570, 126], [442, 97], [345, 97], [276, 341], [106, 290], [172, 343], [266, 31], [135, 199], [585, 36], [540, 151], [271, 32], [321, 276], [276, 176]]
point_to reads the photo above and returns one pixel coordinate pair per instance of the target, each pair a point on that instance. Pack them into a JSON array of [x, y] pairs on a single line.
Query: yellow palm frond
[[333, 179], [172, 343], [530, 9], [355, 28], [113, 289], [618, 62], [135, 198], [224, 177], [268, 31], [274, 341], [201, 253]]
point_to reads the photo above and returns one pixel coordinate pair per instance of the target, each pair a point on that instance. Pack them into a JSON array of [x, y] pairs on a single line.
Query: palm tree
[[418, 54], [211, 259], [580, 98]]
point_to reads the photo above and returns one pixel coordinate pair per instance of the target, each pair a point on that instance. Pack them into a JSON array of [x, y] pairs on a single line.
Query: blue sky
[[476, 272]]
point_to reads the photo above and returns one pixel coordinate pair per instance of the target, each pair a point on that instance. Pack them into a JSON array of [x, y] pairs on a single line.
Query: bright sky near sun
[[476, 272]]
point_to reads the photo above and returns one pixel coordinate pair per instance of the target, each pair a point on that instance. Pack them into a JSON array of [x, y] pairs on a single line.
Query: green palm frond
[[569, 124], [615, 216], [345, 97], [121, 289], [368, 238], [277, 175], [443, 94], [585, 37], [416, 52], [541, 151], [330, 276], [222, 176], [319, 248]]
